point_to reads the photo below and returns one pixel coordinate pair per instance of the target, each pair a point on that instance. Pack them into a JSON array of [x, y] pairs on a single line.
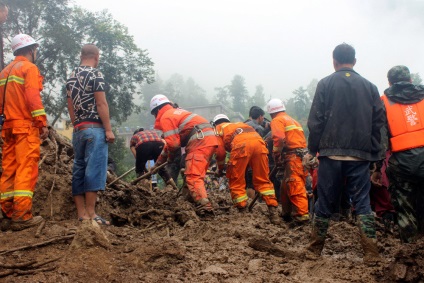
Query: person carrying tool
[[246, 148], [25, 123], [288, 149], [147, 145], [182, 128]]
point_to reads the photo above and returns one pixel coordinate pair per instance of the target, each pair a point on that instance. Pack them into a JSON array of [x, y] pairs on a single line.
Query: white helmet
[[219, 117], [275, 105], [21, 41], [158, 100]]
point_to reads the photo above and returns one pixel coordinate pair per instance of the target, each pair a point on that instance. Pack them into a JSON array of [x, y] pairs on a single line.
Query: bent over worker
[[25, 123], [246, 148], [148, 145], [289, 145], [182, 128]]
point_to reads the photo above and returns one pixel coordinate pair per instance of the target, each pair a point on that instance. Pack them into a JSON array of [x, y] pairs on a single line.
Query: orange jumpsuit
[[287, 135], [177, 127], [25, 114], [246, 147]]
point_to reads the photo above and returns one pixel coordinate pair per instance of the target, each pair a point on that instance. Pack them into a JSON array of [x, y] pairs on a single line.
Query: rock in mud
[[89, 234]]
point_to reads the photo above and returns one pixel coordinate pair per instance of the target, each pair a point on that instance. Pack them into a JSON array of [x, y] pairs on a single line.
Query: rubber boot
[[319, 232], [366, 224], [273, 215]]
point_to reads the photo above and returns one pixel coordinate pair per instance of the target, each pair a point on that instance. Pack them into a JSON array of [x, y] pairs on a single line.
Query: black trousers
[[149, 151]]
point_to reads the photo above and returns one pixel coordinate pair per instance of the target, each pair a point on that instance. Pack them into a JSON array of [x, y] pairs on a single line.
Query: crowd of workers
[[355, 138]]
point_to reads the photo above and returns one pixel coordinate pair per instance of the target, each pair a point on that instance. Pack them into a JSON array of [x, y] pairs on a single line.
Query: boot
[[5, 224], [21, 225], [366, 224], [319, 232], [273, 215], [172, 184], [204, 207]]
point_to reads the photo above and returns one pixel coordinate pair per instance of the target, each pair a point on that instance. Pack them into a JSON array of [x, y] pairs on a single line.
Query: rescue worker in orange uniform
[[24, 124], [289, 147], [182, 128], [247, 148]]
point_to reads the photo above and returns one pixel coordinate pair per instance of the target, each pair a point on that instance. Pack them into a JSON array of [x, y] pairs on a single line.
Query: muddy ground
[[157, 237]]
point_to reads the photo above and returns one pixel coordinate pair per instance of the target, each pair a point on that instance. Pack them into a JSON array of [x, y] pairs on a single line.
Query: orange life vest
[[406, 124]]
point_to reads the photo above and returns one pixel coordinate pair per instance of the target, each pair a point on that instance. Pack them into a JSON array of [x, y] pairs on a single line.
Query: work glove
[[309, 161]]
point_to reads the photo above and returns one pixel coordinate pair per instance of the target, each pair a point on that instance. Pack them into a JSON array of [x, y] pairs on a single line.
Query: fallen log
[[53, 240]]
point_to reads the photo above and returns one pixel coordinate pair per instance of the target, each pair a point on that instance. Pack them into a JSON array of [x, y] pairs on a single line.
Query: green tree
[[239, 94], [222, 95], [416, 78], [302, 102], [61, 30], [193, 94], [311, 88], [258, 98]]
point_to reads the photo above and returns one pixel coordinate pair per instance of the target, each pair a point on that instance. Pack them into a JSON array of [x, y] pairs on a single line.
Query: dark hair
[[255, 112], [25, 50], [399, 74], [138, 130], [344, 54]]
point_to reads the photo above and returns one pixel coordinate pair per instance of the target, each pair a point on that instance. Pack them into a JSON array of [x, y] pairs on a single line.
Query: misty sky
[[280, 44]]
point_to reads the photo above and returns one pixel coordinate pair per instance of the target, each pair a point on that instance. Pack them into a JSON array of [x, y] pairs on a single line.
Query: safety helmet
[[22, 40], [157, 101], [219, 117], [275, 105]]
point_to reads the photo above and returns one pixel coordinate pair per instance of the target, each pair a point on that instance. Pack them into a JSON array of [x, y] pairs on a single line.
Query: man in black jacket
[[344, 128], [404, 103]]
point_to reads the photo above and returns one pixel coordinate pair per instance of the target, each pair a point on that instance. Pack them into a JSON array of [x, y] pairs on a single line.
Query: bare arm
[[133, 151], [103, 110], [71, 108]]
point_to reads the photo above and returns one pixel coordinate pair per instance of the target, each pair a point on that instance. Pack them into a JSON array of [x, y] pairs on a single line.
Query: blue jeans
[[90, 160], [333, 176]]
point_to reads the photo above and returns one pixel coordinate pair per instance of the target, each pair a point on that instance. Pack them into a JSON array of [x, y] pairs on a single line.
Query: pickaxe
[[148, 174], [252, 204]]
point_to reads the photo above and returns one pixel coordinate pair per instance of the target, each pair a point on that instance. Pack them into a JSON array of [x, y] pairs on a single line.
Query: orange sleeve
[[33, 86], [220, 150]]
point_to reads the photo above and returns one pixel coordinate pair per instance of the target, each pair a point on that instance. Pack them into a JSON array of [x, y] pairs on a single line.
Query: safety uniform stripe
[[13, 78], [293, 127], [170, 133], [240, 199], [186, 120], [18, 193], [23, 193], [38, 112], [221, 133], [7, 195], [267, 192]]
